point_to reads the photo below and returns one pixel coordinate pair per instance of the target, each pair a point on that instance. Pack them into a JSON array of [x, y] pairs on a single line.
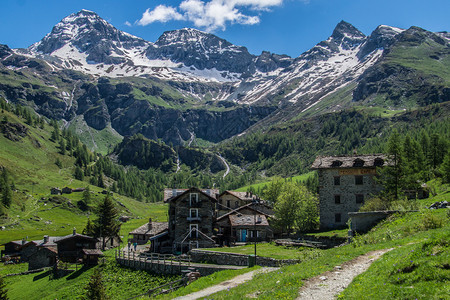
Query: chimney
[[174, 192], [246, 194], [46, 239], [23, 241], [74, 231], [149, 225]]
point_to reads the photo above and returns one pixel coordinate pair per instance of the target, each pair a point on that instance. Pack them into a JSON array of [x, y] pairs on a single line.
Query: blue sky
[[280, 26]]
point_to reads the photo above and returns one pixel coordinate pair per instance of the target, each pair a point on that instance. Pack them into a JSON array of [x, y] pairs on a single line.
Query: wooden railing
[[161, 261]]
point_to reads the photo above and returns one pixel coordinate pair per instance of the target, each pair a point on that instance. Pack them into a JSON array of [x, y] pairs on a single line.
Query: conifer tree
[[89, 229], [95, 289], [3, 290], [78, 174], [391, 176], [445, 168], [5, 188], [107, 224]]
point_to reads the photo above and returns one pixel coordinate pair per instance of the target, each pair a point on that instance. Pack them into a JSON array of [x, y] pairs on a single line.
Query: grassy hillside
[[34, 212], [416, 268], [121, 283]]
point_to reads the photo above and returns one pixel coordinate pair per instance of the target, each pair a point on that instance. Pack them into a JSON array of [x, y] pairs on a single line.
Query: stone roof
[[351, 161], [157, 228], [211, 193], [248, 206], [97, 252], [171, 193], [71, 236], [248, 220], [244, 196]]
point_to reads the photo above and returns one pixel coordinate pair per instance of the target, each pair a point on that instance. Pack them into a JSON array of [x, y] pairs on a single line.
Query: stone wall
[[347, 190], [225, 258], [159, 267], [363, 221]]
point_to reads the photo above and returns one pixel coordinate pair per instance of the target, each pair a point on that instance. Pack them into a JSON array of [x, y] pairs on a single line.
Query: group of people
[[134, 246]]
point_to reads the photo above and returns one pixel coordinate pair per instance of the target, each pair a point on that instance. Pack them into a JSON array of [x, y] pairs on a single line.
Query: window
[[337, 180], [229, 203], [336, 163], [193, 198], [359, 198], [193, 228], [358, 180], [358, 162], [337, 199], [236, 204], [337, 218], [193, 213], [378, 162]]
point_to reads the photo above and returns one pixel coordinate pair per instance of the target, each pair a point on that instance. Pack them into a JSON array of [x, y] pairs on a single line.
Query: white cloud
[[210, 15], [161, 13], [127, 23]]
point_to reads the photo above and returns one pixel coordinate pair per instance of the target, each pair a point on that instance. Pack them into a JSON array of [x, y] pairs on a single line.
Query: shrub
[[431, 221]]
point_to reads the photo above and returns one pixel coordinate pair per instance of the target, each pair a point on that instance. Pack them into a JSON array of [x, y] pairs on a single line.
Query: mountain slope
[[191, 83]]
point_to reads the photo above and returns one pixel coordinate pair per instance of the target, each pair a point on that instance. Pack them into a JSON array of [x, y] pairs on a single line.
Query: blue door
[[243, 235]]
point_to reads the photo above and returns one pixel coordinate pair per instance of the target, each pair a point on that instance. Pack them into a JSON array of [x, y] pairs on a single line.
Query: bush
[[431, 221], [375, 204]]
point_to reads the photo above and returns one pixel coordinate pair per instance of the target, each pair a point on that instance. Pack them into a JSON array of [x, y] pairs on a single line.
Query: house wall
[[347, 190], [180, 221], [28, 251], [223, 203], [41, 258], [70, 249]]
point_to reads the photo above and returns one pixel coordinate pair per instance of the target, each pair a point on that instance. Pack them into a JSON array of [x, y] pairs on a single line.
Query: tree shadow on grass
[[75, 274], [42, 275]]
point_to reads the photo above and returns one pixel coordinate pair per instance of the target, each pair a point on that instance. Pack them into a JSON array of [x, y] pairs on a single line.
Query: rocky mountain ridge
[[194, 84]]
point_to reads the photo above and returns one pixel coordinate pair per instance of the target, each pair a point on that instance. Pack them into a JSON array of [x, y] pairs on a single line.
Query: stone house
[[55, 191], [243, 224], [43, 257], [151, 231], [191, 217], [70, 247], [32, 247], [230, 200], [345, 182], [67, 190], [12, 248]]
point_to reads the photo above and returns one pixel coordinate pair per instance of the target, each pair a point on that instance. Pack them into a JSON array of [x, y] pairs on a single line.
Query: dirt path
[[234, 282], [330, 284]]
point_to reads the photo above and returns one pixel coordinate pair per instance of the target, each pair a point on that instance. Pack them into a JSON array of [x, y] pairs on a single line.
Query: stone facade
[[191, 217], [345, 182], [229, 200], [239, 226], [43, 257]]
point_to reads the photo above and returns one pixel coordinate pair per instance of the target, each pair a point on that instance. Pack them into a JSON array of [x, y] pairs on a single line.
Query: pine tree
[[5, 188], [58, 163], [391, 176], [95, 289], [100, 181], [107, 224], [78, 174], [3, 290], [62, 146], [89, 229], [445, 168]]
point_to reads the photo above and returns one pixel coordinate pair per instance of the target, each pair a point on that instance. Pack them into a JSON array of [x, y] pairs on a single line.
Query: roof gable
[[192, 189]]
